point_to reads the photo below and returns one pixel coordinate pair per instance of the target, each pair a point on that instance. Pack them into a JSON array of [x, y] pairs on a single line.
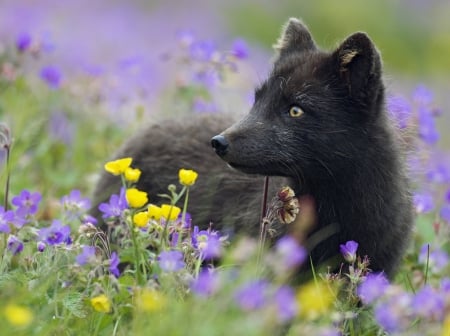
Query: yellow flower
[[101, 303], [136, 198], [118, 167], [140, 219], [18, 316], [446, 326], [187, 177], [170, 210], [132, 175], [314, 299], [150, 300], [154, 212]]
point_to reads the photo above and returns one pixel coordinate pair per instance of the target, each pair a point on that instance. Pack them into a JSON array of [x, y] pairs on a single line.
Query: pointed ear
[[358, 63], [295, 37]]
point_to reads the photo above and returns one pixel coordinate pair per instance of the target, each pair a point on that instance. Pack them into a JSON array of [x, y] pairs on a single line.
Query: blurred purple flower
[[88, 219], [55, 234], [6, 217], [114, 264], [348, 251], [373, 286], [117, 204], [391, 315], [27, 203], [171, 261], [202, 51], [203, 106], [286, 304], [207, 243], [206, 284], [427, 126], [60, 128], [289, 253], [23, 41], [240, 49], [445, 286], [185, 37], [187, 220], [437, 260], [74, 204], [423, 202], [41, 246], [400, 109], [444, 213], [428, 303], [252, 295], [422, 95], [14, 245], [439, 173], [208, 78], [52, 76], [87, 255]]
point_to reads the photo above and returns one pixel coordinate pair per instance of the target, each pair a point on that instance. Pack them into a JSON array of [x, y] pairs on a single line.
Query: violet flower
[[373, 287], [117, 204], [14, 245], [114, 264], [348, 251], [289, 253], [87, 255], [171, 261], [206, 284], [55, 234], [252, 295], [26, 202]]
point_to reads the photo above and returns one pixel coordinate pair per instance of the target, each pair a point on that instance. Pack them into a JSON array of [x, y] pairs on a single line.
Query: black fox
[[318, 124]]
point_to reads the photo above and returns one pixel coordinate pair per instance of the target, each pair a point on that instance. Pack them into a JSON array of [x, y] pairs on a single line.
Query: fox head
[[315, 112]]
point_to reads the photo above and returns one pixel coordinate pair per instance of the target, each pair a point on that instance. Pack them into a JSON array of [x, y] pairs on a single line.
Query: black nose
[[220, 144]]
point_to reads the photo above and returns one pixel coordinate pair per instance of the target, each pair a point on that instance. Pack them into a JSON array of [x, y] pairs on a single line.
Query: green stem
[[137, 257], [183, 215]]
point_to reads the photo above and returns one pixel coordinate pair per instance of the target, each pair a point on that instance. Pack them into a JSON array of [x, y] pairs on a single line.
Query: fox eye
[[295, 111]]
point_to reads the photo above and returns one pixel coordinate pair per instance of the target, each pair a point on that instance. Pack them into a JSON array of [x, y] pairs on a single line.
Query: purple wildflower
[[445, 212], [206, 284], [74, 204], [203, 106], [445, 285], [114, 264], [348, 251], [52, 76], [208, 78], [185, 37], [289, 253], [202, 51], [6, 217], [400, 109], [427, 126], [391, 315], [437, 260], [87, 256], [252, 295], [439, 173], [14, 245], [428, 303], [26, 202], [423, 202], [41, 246], [23, 41], [422, 95], [171, 261], [240, 49], [373, 286], [88, 219], [207, 243], [117, 204], [286, 302], [55, 234]]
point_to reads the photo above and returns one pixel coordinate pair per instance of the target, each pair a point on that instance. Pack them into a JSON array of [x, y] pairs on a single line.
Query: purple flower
[[427, 126], [207, 243], [203, 106], [117, 204], [373, 286], [23, 41], [41, 246], [439, 173], [114, 264], [206, 284], [187, 220], [252, 295], [348, 251], [55, 234], [428, 303], [437, 260], [445, 212], [27, 203], [208, 78], [286, 302], [422, 95], [52, 76], [14, 245], [392, 314], [202, 51], [423, 202], [88, 219], [6, 217], [171, 261], [87, 256], [289, 253], [74, 204], [400, 109], [185, 37], [240, 49]]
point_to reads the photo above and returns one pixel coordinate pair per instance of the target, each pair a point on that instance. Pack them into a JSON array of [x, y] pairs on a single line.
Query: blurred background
[[78, 77]]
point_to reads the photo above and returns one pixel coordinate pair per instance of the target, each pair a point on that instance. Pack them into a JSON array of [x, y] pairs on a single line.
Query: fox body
[[319, 125]]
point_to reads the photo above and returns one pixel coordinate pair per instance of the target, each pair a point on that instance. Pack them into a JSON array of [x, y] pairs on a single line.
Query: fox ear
[[295, 37], [358, 63]]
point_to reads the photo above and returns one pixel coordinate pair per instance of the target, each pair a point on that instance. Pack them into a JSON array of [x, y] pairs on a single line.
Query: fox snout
[[220, 144]]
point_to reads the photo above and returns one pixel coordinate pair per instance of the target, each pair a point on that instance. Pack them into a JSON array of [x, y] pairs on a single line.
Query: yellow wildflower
[[136, 198], [101, 303], [140, 219], [18, 316], [132, 175], [314, 299], [170, 210], [118, 167], [150, 300], [446, 326], [187, 177], [154, 212]]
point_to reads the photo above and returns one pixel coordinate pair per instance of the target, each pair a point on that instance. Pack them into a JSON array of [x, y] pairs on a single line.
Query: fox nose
[[220, 144]]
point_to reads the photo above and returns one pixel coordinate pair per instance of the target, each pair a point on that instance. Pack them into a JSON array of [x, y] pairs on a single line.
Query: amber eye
[[295, 111]]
